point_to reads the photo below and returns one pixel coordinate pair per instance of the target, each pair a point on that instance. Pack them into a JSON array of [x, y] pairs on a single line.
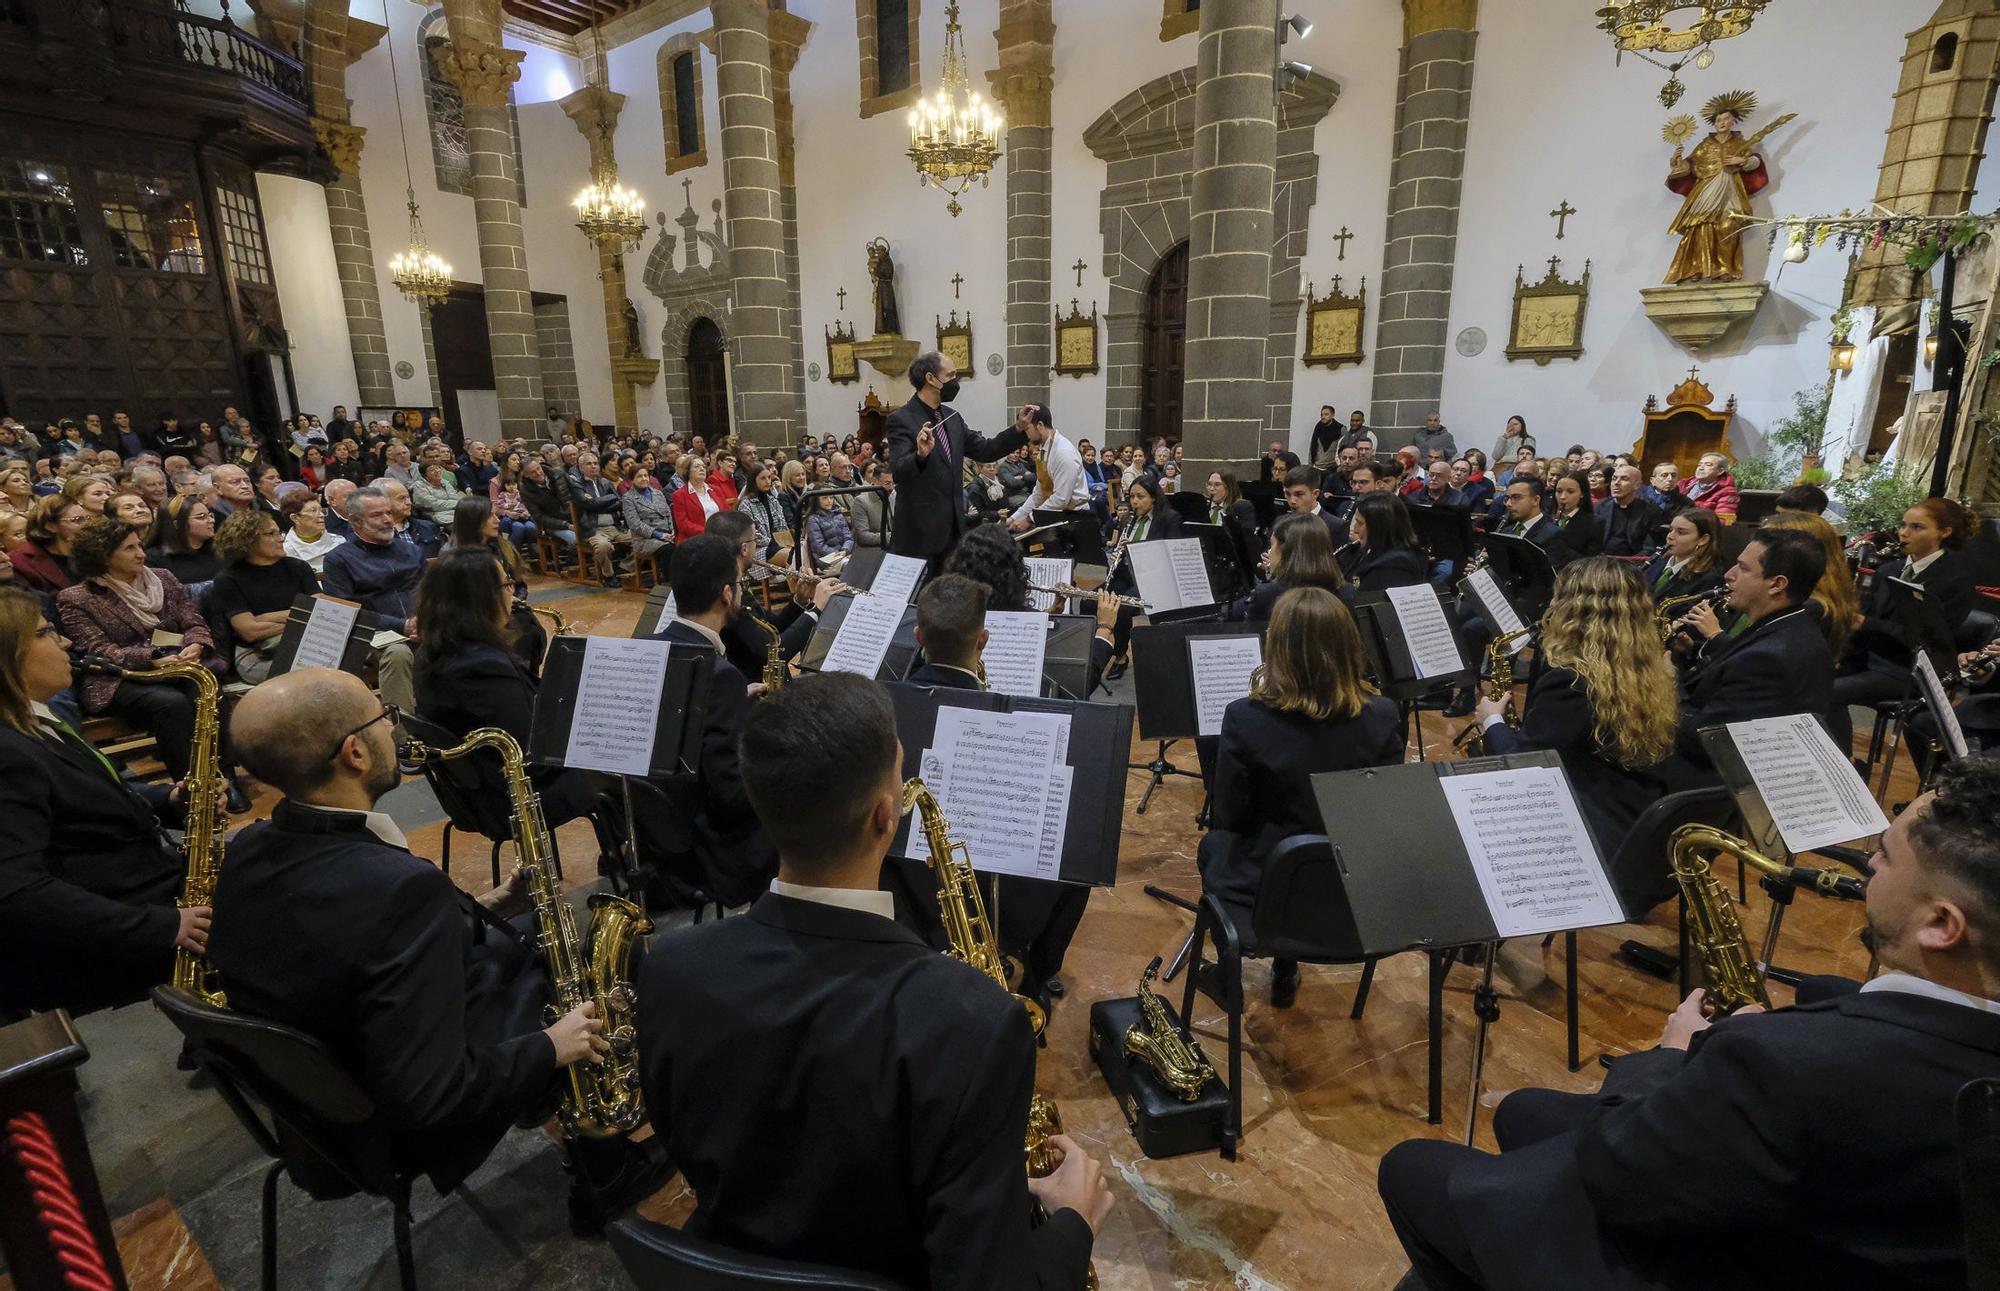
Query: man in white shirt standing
[[1059, 482]]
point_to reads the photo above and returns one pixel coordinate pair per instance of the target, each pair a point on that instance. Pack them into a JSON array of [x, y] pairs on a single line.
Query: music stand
[[1445, 532], [1227, 573], [354, 653], [653, 611], [896, 664], [1523, 570], [1068, 535], [1066, 660], [1267, 499], [1191, 507], [1919, 626], [1163, 689]]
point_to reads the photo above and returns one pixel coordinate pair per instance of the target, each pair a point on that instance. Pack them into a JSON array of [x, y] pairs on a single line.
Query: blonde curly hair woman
[[1607, 700]]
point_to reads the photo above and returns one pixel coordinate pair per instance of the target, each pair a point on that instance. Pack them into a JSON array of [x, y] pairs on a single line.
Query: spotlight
[[1295, 25], [1294, 71]]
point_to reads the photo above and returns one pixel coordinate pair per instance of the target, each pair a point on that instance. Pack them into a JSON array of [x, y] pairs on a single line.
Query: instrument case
[[1163, 1124]]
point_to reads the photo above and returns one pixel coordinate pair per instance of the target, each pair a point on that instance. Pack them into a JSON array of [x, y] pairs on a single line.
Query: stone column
[[474, 61], [761, 354], [332, 42], [1021, 86], [1229, 234], [595, 110], [1433, 103], [788, 36]]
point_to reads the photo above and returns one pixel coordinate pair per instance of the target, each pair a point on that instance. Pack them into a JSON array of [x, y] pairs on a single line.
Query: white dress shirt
[[1069, 491], [1911, 984], [872, 901]]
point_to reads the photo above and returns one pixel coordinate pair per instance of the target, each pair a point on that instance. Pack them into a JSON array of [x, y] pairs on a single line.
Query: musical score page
[[897, 579], [617, 714], [1941, 709], [1016, 640], [1537, 866], [1498, 612], [1046, 571], [1170, 573], [323, 643], [1426, 630], [1807, 784], [862, 641], [1221, 668], [1004, 788]]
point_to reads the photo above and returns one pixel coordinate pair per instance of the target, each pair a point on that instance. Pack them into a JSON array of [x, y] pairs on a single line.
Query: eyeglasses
[[390, 713]]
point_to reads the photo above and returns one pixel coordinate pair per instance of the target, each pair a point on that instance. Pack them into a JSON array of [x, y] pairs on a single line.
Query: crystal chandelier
[[419, 273], [607, 212], [1676, 27], [954, 138]]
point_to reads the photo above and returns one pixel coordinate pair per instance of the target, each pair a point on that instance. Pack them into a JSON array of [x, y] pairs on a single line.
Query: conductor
[[929, 445]]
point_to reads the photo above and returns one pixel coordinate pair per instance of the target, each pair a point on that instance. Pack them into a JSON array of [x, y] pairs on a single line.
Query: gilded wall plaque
[[1548, 315], [841, 365], [1076, 341], [954, 341], [1334, 324]]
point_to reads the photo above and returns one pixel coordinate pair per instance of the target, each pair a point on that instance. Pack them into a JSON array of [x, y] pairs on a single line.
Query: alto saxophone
[[1156, 1041], [1499, 685], [556, 620], [1730, 970], [775, 673], [599, 1101], [963, 912], [202, 843]]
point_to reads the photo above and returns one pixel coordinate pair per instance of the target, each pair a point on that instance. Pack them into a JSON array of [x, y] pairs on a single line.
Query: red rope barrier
[[56, 1207]]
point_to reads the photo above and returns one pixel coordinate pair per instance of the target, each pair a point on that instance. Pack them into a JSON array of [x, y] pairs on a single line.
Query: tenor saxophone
[[556, 620], [202, 843], [1499, 685], [598, 1101], [775, 673], [1157, 1042], [963, 912]]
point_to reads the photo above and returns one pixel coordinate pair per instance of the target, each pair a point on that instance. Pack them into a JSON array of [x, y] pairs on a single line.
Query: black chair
[[659, 1258], [321, 1130], [672, 873], [469, 804]]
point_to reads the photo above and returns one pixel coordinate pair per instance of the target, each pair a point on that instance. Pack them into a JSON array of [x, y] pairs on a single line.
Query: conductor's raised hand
[[926, 440], [1025, 418], [578, 1036], [1077, 1184]]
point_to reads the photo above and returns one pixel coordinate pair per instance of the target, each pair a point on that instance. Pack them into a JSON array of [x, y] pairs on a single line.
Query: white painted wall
[[308, 291]]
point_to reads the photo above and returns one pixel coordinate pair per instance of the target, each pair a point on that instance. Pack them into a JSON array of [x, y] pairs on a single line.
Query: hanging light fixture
[[418, 272], [1840, 353], [607, 212], [1689, 28], [954, 137]]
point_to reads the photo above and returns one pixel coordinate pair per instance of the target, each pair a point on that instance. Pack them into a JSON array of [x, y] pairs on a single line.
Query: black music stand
[[1267, 499], [896, 664], [1228, 576], [864, 564], [354, 654], [1390, 662], [654, 610], [1066, 660], [1065, 535], [1444, 532], [1916, 625], [1163, 687], [1524, 572]]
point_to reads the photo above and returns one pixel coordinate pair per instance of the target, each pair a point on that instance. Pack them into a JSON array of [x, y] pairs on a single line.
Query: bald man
[[428, 998]]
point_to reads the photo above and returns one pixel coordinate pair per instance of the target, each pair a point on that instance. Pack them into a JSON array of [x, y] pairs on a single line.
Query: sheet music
[[1170, 573], [1426, 630], [862, 641], [617, 714], [1493, 602], [1046, 571], [323, 643], [1221, 668], [896, 581], [1808, 785], [1001, 782], [1940, 702], [1537, 866], [1016, 640]]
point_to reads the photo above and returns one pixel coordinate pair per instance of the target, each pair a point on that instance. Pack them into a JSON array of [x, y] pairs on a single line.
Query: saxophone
[[963, 912], [1499, 685], [1156, 1041], [556, 621], [776, 674], [1730, 970], [599, 1101], [202, 843]]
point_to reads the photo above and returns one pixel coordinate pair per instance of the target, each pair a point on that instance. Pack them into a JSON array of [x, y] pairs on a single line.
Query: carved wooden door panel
[[1165, 347], [708, 381]]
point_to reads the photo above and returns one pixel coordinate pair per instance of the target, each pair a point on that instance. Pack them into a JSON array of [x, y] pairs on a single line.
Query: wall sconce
[[1840, 356], [1930, 350]]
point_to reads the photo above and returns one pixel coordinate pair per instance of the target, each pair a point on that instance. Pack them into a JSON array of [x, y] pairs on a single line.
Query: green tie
[[1739, 627], [1139, 532], [1666, 576], [67, 733]]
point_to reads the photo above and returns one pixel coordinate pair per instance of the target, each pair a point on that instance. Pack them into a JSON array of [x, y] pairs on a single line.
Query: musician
[[1577, 532], [1302, 498], [1386, 553], [730, 844], [1697, 1164], [1627, 520], [1606, 698], [87, 883], [1152, 520], [951, 628], [331, 926], [1523, 505], [928, 446], [1834, 600], [1309, 710], [832, 1088], [1780, 663], [1687, 566], [1299, 555], [1228, 508], [1059, 481], [746, 642], [1877, 662]]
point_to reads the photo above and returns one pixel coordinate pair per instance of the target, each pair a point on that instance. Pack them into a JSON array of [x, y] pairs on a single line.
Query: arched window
[[1945, 52], [451, 151], [679, 69]]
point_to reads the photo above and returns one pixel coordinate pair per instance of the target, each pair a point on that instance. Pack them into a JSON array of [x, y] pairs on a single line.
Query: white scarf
[[145, 596]]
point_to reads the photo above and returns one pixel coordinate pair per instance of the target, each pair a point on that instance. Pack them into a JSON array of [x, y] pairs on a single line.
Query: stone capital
[[362, 36], [788, 36], [1023, 93], [1421, 17], [595, 111], [482, 71], [342, 142]]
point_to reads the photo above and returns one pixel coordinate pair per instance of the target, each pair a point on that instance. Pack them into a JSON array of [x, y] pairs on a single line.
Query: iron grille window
[[243, 236], [150, 223], [37, 215]]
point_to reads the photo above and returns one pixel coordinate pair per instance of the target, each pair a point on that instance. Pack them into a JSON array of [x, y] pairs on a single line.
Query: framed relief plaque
[[1548, 315], [1076, 341], [1333, 326], [954, 341], [841, 366]]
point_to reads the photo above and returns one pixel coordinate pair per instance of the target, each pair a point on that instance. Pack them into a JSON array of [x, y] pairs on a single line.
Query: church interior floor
[[1324, 1096]]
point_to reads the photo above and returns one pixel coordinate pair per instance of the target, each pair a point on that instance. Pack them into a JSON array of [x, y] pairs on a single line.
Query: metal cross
[[1343, 237], [687, 193], [1554, 263], [1079, 266], [1561, 215], [957, 280], [1691, 372], [842, 293]]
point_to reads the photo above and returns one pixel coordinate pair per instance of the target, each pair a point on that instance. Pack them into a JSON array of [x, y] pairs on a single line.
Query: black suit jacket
[[487, 686], [1947, 583], [1395, 567], [322, 926], [87, 885], [836, 1091], [929, 514], [1681, 584], [1780, 665], [929, 674], [738, 858], [1627, 531], [1265, 761], [1580, 536], [1706, 1169]]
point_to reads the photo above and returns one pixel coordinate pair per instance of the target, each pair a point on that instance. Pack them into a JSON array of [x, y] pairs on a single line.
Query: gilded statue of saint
[[1717, 180], [882, 273]]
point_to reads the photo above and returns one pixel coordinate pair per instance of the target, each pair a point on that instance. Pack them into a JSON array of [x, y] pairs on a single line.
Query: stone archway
[[674, 350], [1146, 141]]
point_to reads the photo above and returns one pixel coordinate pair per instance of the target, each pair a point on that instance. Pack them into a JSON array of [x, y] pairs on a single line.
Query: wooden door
[[708, 382], [1165, 347]]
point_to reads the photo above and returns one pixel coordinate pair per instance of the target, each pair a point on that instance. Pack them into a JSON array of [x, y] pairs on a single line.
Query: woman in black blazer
[[1877, 662], [87, 888], [1389, 553], [1691, 562], [1300, 555], [1578, 534], [1152, 520], [1607, 701], [467, 676], [1309, 710]]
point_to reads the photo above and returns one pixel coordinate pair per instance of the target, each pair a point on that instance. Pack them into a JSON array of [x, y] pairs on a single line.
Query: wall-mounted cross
[[1343, 237], [1561, 216], [1691, 372], [687, 193], [957, 280], [842, 293], [1079, 266]]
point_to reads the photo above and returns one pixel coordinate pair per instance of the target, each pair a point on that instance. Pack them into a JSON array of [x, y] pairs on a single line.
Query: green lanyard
[[67, 733]]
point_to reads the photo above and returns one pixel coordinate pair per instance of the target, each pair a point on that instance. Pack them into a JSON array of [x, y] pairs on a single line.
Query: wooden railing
[[136, 33]]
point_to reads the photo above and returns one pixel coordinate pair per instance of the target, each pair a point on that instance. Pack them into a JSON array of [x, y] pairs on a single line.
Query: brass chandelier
[[954, 137], [607, 212], [418, 272], [1685, 27]]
